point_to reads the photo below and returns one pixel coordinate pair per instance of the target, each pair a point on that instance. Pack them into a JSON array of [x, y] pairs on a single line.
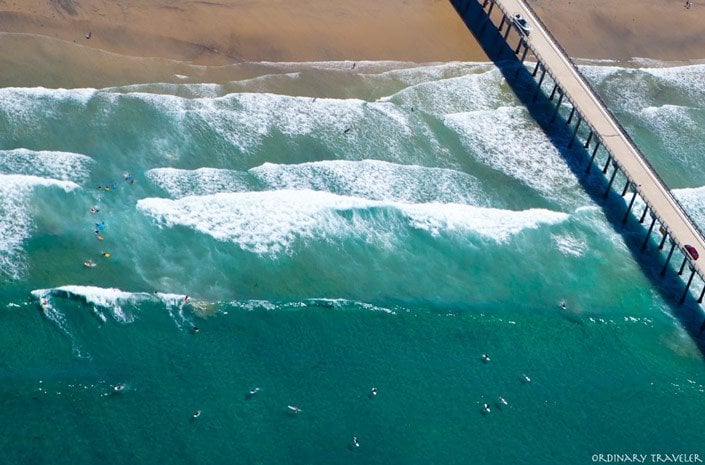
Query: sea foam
[[508, 140], [65, 166], [270, 222], [15, 218]]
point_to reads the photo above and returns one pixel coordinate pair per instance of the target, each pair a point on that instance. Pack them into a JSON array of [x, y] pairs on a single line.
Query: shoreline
[[138, 41]]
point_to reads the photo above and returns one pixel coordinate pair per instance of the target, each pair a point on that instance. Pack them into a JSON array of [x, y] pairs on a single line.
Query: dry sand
[[224, 31], [623, 29]]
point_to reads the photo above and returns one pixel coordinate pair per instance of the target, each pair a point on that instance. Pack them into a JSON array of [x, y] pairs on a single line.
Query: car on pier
[[521, 24], [692, 251]]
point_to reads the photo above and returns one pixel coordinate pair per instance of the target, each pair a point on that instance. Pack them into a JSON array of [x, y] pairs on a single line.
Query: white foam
[[110, 299], [15, 220], [349, 127], [21, 105], [477, 91], [693, 201], [270, 222], [570, 245], [689, 80], [54, 315], [676, 128], [507, 139], [65, 166], [203, 181], [375, 180]]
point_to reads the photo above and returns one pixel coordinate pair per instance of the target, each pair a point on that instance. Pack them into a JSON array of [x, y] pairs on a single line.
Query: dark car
[[692, 251]]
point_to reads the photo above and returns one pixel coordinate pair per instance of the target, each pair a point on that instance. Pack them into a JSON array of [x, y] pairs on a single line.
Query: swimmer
[[194, 329], [196, 414], [185, 299], [254, 391], [347, 130], [94, 209], [100, 188], [373, 392], [485, 358], [119, 387], [356, 443]]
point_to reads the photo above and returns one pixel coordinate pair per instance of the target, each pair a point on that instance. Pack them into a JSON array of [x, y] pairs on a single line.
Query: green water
[[338, 230]]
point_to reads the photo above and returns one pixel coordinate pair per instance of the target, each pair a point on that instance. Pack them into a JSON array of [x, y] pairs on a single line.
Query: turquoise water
[[337, 230]]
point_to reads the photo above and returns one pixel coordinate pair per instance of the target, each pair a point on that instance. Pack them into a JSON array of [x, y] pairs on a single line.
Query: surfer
[[526, 378], [89, 264], [185, 299], [94, 209], [485, 408], [503, 401], [195, 329], [253, 391], [563, 304], [105, 254], [356, 443], [119, 387], [294, 409]]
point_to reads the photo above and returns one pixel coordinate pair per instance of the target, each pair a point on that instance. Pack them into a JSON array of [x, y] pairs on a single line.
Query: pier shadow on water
[[541, 108]]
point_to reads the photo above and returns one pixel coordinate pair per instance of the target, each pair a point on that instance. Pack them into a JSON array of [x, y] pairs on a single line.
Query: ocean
[[316, 230]]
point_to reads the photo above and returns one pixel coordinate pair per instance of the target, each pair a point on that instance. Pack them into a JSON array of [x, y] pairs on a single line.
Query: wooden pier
[[603, 131]]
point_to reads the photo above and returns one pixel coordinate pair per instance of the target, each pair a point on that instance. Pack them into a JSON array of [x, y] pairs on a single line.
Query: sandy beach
[[65, 43], [215, 33], [601, 29]]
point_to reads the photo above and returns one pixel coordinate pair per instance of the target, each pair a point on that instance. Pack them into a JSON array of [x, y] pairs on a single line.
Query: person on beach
[[688, 4]]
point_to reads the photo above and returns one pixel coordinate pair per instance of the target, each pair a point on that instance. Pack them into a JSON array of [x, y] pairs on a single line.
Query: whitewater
[[317, 231]]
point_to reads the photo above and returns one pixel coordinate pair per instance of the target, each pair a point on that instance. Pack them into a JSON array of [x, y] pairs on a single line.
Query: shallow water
[[336, 230]]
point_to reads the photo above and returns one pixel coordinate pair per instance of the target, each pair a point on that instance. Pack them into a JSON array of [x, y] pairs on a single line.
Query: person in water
[[485, 358], [373, 392], [196, 414]]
